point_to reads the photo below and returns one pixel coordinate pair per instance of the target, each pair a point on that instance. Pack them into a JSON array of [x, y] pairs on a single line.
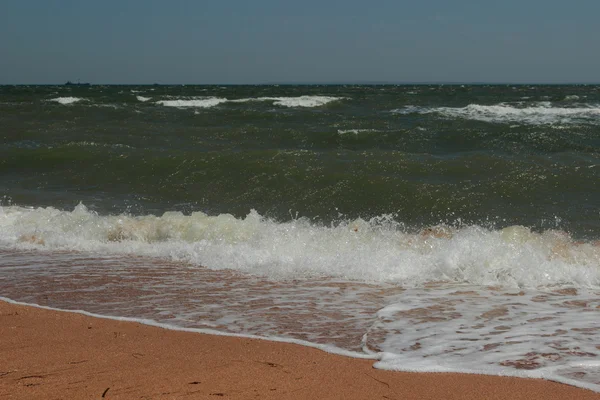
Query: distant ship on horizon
[[69, 83]]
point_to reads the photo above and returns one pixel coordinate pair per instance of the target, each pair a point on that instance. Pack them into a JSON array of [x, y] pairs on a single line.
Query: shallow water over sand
[[441, 326]]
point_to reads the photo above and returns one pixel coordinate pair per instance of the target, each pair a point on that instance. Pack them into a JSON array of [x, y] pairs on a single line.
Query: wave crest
[[67, 100], [207, 102], [378, 250], [539, 114]]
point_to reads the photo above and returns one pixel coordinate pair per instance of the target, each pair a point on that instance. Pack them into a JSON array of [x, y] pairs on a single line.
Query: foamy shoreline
[[51, 353]]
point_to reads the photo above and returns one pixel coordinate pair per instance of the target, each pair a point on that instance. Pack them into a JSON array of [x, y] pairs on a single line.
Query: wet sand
[[58, 355]]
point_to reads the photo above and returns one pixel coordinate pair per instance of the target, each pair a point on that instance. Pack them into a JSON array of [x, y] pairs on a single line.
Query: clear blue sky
[[263, 41]]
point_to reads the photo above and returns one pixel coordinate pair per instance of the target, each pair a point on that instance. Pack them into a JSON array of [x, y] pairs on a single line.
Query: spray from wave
[[378, 250]]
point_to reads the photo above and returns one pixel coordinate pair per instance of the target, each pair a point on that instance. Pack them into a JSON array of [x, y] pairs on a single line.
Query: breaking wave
[[301, 101], [541, 113], [377, 250], [207, 102], [502, 302], [356, 131], [67, 100], [197, 103]]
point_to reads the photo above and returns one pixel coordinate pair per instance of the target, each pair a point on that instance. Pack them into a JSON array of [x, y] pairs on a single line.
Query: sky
[[301, 41]]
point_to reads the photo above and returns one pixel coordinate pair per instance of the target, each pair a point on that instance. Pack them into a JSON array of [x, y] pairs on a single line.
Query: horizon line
[[417, 83]]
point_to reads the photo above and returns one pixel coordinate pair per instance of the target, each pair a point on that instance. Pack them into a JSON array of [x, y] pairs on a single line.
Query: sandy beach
[[59, 355]]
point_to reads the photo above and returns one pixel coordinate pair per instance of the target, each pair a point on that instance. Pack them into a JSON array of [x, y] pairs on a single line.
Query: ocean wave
[[378, 250], [540, 113], [356, 131], [143, 99], [301, 101], [207, 102], [95, 144], [444, 299], [67, 100]]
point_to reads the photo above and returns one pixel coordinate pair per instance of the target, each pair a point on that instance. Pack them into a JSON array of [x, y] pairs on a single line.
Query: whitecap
[[204, 102], [513, 257], [356, 131], [539, 113], [67, 100], [207, 102], [300, 101]]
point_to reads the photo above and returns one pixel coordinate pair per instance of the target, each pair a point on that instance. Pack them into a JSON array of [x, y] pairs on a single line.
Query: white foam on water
[[113, 106], [501, 302], [86, 143], [549, 334], [441, 327], [67, 100], [378, 250], [541, 113], [143, 99], [356, 131], [303, 101], [204, 102], [571, 97], [292, 102], [300, 101]]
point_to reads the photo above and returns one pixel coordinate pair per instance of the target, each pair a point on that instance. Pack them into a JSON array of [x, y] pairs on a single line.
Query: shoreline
[[61, 354]]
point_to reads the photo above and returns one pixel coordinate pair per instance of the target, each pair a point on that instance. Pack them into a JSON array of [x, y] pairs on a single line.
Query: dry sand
[[58, 355]]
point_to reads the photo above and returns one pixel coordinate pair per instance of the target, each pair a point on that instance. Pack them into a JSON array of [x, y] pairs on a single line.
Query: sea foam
[[207, 102], [301, 101], [356, 131], [67, 100], [541, 113], [469, 299], [378, 250]]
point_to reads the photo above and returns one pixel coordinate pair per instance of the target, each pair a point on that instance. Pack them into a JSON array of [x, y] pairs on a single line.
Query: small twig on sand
[[270, 364], [31, 376], [385, 383]]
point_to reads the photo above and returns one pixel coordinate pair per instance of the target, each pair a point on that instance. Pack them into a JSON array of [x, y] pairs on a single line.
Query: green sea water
[[427, 154]]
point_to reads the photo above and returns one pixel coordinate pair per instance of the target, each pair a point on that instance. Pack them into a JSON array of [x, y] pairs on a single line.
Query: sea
[[431, 228]]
